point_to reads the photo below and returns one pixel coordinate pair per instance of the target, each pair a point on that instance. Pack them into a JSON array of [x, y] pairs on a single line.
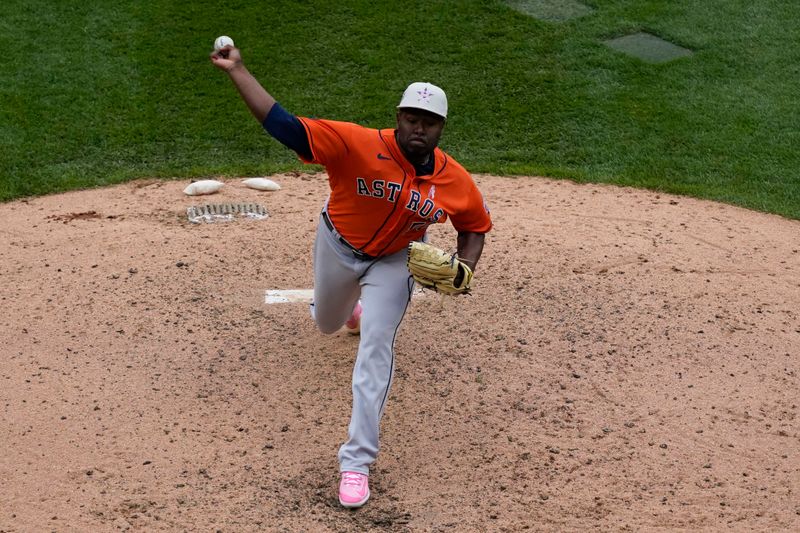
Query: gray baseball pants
[[384, 286]]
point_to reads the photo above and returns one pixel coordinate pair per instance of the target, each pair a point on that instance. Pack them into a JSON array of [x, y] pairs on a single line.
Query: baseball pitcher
[[386, 187]]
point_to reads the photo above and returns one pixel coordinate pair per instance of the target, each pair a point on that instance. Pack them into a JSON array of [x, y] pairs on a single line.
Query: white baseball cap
[[426, 96]]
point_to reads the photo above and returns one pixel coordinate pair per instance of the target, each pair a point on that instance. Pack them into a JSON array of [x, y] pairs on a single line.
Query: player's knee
[[327, 328], [326, 325]]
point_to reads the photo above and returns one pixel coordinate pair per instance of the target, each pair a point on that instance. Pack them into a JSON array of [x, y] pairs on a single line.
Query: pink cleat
[[353, 489], [353, 325]]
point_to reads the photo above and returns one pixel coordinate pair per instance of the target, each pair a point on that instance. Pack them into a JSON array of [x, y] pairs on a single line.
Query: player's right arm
[[278, 122], [258, 100]]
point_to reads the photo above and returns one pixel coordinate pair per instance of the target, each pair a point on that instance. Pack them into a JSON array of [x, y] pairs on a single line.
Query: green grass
[[95, 92]]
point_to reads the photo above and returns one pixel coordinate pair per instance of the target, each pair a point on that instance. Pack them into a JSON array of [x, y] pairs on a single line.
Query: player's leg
[[336, 285], [386, 288]]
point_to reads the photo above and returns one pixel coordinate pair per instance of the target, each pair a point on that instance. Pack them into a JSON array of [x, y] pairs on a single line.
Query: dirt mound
[[627, 360]]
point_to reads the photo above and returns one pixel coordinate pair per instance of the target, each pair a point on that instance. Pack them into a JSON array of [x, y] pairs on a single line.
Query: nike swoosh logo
[[381, 156]]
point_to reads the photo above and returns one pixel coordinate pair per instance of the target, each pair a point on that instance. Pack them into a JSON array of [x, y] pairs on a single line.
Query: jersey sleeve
[[288, 130], [473, 214], [329, 140]]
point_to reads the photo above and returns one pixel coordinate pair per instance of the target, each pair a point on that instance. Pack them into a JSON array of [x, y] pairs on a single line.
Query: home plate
[[301, 295], [289, 296]]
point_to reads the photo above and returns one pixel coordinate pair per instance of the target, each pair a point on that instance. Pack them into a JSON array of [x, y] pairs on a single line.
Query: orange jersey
[[377, 202]]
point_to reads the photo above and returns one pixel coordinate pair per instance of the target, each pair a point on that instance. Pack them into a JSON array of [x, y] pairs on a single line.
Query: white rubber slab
[[307, 295], [288, 296]]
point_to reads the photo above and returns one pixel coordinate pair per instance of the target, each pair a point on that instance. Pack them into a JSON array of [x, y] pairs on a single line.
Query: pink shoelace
[[352, 478]]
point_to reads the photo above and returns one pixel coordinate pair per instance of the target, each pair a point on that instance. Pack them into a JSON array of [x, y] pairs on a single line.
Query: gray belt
[[358, 254]]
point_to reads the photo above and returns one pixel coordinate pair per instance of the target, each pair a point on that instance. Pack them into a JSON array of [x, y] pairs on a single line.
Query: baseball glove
[[438, 270]]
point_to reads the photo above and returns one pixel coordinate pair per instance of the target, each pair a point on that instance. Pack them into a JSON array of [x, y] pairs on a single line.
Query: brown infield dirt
[[627, 361]]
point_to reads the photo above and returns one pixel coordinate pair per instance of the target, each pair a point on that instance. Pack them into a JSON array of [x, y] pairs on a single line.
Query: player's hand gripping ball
[[221, 42], [438, 270]]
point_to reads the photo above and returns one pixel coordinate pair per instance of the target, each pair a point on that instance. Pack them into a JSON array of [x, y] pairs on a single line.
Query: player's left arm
[[470, 247], [472, 223]]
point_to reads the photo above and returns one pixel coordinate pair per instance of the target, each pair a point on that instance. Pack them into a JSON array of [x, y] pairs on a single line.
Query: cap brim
[[428, 111]]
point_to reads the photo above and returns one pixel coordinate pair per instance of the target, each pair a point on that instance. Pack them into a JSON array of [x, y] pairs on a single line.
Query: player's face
[[418, 132]]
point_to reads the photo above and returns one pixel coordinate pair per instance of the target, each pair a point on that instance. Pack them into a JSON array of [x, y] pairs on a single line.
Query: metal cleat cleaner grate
[[224, 212]]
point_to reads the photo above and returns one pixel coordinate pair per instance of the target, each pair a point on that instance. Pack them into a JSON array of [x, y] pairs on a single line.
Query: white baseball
[[221, 42]]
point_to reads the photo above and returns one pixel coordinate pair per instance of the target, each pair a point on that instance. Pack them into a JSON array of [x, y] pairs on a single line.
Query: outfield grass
[[101, 92]]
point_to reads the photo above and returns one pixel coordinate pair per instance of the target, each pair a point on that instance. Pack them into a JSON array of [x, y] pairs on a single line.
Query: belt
[[358, 254]]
